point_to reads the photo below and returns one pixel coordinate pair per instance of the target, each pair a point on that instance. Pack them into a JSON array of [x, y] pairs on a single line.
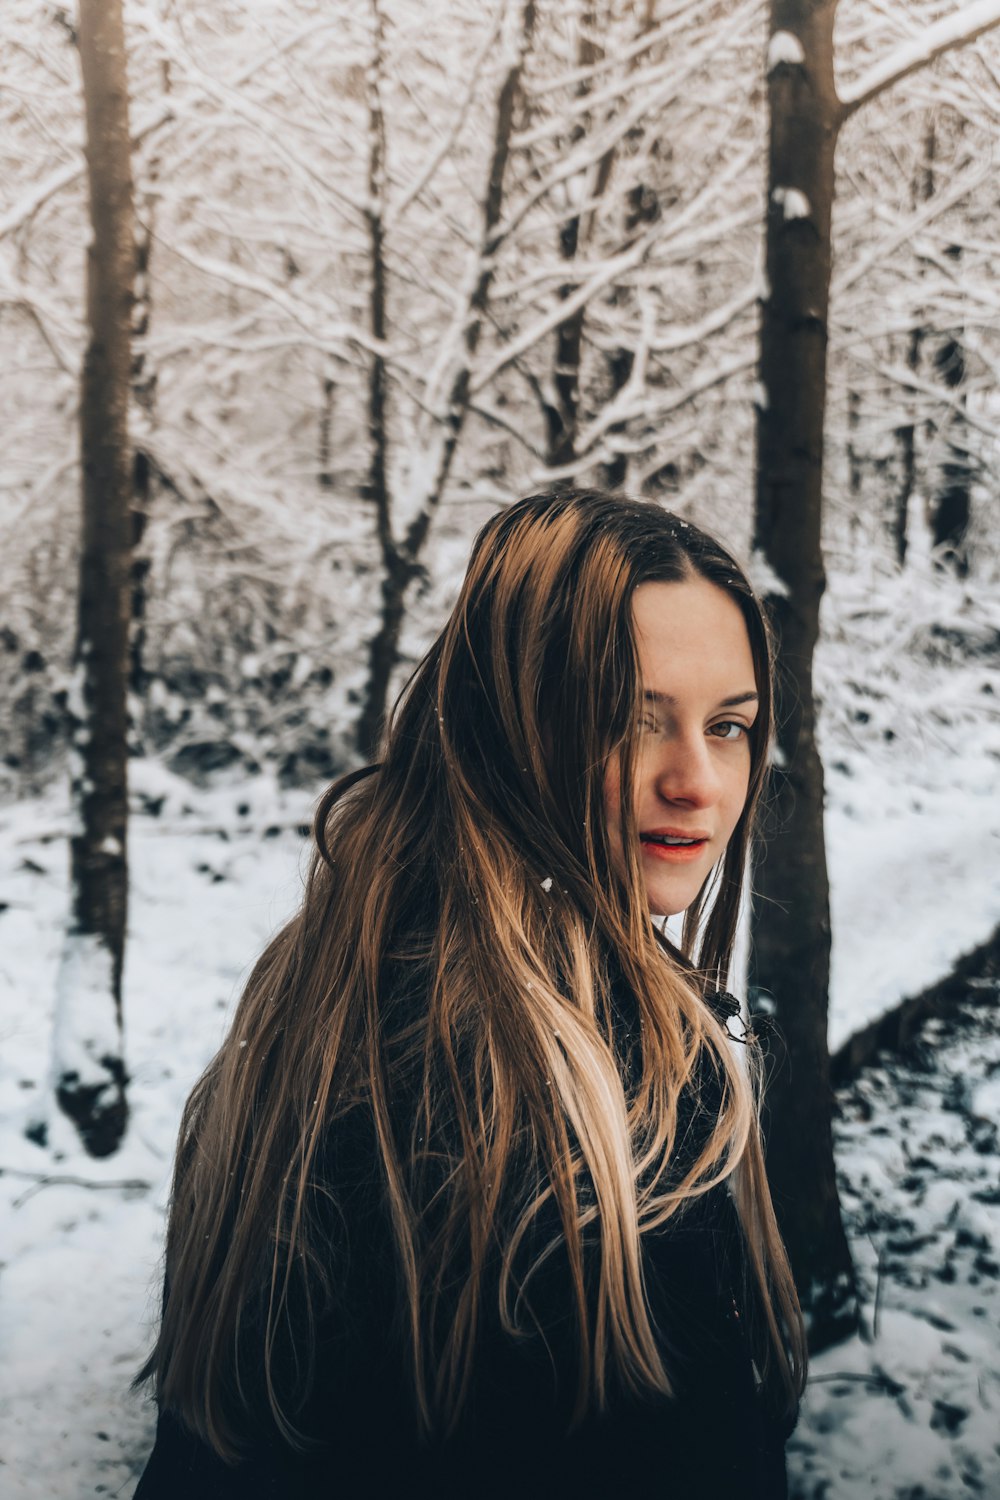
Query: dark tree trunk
[[906, 436], [791, 938], [384, 645], [383, 653], [562, 418], [144, 397], [615, 472], [90, 1071], [325, 455], [906, 443], [951, 507], [642, 207]]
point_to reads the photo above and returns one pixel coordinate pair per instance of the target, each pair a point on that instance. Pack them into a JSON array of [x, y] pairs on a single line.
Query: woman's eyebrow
[[652, 696]]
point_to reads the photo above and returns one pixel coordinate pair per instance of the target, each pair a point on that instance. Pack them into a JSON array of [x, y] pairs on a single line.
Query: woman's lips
[[673, 853]]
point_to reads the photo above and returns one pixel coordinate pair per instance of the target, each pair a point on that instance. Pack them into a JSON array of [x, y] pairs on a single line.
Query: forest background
[[359, 275]]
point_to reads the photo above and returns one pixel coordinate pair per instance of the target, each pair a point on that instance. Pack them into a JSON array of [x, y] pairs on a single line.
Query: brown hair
[[477, 855]]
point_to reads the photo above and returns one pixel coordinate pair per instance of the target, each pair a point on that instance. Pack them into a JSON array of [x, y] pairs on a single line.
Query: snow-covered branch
[[958, 30], [449, 137], [333, 334]]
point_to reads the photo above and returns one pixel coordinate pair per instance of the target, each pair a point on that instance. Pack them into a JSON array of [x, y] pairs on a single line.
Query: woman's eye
[[729, 729]]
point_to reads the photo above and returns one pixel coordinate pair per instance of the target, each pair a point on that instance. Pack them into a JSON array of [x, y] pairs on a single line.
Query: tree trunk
[[383, 647], [642, 206], [562, 418], [144, 380], [951, 508], [906, 436], [325, 456], [401, 559], [383, 653], [89, 1066], [791, 937], [906, 443]]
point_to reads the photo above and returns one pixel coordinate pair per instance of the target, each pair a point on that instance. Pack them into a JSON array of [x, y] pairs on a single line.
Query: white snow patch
[[913, 893], [85, 1026], [547, 883], [795, 203], [785, 47], [764, 581], [74, 688]]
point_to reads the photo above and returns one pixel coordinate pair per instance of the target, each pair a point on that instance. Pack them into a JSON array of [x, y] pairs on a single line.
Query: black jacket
[[715, 1437]]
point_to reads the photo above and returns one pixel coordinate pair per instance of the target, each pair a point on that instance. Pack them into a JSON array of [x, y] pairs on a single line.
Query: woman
[[471, 1200]]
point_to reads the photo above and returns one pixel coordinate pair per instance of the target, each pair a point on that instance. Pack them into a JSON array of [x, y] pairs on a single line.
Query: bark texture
[[791, 939], [90, 1071]]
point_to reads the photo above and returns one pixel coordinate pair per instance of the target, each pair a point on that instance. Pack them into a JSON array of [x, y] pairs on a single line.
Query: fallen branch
[[41, 1180]]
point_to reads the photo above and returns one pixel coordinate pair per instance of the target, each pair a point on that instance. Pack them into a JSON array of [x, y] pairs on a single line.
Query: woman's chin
[[669, 899]]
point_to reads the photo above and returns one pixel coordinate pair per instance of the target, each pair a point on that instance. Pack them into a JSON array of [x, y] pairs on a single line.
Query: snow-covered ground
[[910, 1409], [212, 875], [914, 832], [908, 677]]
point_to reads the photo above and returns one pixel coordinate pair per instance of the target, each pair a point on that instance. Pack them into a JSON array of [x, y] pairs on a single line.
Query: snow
[[907, 676], [930, 886], [85, 1028], [212, 876], [907, 679], [964, 23], [794, 202], [914, 836], [908, 1407], [764, 581], [786, 48]]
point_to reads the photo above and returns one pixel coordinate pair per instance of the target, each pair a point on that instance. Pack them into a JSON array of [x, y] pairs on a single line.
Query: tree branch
[[461, 390], [41, 1180], [951, 32]]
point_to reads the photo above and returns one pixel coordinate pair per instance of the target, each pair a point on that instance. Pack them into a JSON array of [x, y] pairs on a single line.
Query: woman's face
[[693, 763]]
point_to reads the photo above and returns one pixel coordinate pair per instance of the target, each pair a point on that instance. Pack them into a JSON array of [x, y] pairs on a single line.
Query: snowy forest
[[294, 295]]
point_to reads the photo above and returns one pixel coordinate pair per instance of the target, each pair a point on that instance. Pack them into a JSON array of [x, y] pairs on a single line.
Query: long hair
[[476, 856]]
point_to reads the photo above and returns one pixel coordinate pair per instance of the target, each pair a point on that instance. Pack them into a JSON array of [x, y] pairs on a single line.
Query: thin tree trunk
[[401, 559], [325, 455], [144, 380], [906, 436], [89, 1065], [951, 508], [906, 443], [384, 646], [642, 207], [791, 937], [562, 418]]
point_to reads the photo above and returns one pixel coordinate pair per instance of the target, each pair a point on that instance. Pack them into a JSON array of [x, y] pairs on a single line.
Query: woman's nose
[[686, 772]]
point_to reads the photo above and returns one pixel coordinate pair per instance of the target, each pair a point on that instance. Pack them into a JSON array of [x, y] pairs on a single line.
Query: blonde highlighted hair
[[476, 856]]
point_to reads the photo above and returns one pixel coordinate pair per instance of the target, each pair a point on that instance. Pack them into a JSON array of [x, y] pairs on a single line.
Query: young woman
[[471, 1201]]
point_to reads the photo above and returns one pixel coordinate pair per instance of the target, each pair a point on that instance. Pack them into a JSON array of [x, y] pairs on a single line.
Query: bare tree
[[89, 1065], [791, 948], [449, 402]]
